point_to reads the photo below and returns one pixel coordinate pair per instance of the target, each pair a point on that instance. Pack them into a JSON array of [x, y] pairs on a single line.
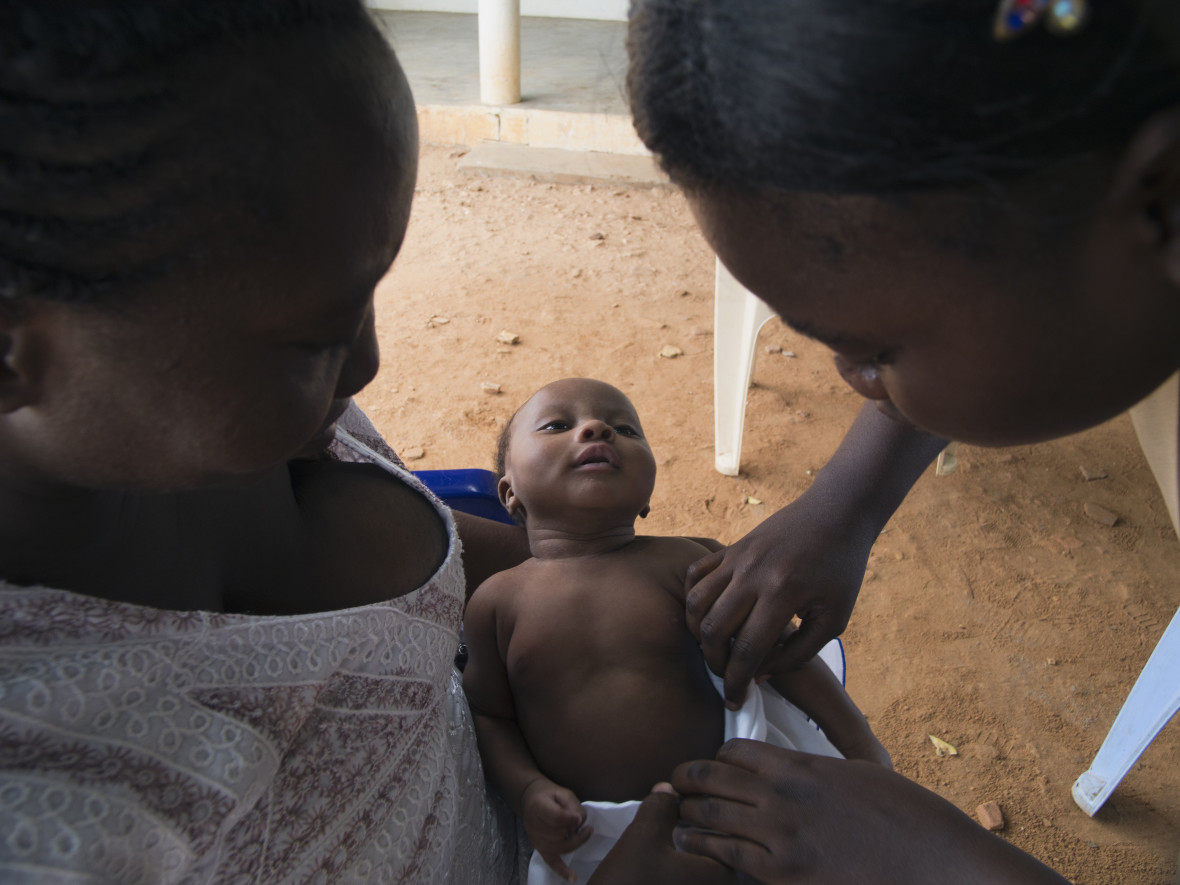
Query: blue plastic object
[[469, 491]]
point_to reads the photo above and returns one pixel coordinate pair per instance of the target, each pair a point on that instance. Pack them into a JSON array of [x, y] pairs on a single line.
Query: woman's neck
[[112, 544]]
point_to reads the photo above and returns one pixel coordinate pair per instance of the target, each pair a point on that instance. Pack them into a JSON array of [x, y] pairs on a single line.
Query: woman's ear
[[1146, 188], [22, 357]]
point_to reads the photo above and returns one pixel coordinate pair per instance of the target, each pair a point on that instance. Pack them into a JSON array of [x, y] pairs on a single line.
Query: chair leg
[[1153, 700], [737, 317]]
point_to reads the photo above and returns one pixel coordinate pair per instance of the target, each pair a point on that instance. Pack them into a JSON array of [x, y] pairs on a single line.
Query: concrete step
[[563, 166], [470, 125]]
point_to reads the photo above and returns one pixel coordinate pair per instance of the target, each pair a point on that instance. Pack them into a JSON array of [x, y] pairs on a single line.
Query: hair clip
[[1061, 17]]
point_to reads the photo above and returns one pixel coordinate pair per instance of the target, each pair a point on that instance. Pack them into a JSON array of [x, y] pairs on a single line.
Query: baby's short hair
[[502, 446]]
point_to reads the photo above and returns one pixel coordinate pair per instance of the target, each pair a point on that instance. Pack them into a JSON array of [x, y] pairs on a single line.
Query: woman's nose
[[595, 430], [363, 359], [864, 378]]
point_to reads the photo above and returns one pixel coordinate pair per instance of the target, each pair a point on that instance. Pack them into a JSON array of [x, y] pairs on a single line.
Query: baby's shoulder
[[673, 546], [501, 588]]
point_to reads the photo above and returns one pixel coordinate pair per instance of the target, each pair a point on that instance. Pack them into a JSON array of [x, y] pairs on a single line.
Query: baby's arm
[[815, 690], [553, 816]]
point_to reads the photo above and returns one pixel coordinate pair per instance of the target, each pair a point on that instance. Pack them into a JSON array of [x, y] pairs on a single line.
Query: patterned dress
[[139, 745]]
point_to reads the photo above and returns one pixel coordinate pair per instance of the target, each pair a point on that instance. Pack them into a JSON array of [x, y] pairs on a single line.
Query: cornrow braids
[[98, 173], [847, 97]]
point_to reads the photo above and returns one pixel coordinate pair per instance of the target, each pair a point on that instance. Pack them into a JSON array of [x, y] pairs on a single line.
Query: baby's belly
[[612, 737]]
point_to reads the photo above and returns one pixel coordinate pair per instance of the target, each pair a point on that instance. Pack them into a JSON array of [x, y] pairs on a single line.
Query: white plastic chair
[[738, 314], [1153, 701]]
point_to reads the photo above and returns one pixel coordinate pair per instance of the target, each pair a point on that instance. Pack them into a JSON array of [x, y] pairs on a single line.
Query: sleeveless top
[[140, 745]]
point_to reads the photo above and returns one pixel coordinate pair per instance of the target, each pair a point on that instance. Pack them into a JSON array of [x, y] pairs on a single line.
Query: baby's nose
[[596, 430]]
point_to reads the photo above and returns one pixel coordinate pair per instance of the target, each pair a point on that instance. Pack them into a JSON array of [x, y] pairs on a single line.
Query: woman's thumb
[[657, 816]]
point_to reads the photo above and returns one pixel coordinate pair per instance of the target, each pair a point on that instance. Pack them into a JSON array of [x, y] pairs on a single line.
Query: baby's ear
[[507, 497]]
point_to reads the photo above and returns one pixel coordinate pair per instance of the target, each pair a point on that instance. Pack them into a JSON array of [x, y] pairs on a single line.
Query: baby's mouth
[[598, 456]]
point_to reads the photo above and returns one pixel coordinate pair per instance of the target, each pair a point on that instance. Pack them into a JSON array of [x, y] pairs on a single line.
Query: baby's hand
[[553, 819]]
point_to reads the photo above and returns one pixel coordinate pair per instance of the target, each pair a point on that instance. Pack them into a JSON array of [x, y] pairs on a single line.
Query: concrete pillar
[[499, 51]]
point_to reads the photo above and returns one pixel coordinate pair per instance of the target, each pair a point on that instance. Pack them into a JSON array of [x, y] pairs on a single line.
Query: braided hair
[[888, 97], [105, 133]]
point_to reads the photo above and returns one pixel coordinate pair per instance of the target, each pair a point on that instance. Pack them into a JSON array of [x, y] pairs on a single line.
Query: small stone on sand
[[670, 351], [990, 816], [1100, 514], [489, 387], [508, 338]]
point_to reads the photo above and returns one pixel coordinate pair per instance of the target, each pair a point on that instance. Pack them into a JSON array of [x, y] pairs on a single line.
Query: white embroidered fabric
[[146, 746]]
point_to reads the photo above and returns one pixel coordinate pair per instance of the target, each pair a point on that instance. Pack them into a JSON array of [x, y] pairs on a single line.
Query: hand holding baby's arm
[[808, 559]]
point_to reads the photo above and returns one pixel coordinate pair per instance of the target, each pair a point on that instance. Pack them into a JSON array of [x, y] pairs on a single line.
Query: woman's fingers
[[738, 854], [717, 609], [801, 645], [733, 776], [701, 591]]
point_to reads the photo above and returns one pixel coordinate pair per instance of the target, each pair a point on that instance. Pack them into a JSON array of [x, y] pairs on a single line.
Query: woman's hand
[[788, 817], [808, 560], [645, 854]]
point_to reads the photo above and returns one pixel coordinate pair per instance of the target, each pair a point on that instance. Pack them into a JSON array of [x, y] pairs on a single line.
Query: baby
[[585, 683]]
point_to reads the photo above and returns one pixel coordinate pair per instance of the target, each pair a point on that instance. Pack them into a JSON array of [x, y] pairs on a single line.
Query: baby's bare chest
[[578, 623]]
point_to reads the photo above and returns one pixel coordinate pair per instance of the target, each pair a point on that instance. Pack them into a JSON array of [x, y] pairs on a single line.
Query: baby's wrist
[[529, 790]]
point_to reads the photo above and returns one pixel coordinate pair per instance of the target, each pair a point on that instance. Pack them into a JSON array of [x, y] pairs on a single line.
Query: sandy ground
[[995, 614]]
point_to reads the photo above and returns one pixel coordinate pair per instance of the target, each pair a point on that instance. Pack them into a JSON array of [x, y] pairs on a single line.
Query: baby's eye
[[555, 425], [626, 430]]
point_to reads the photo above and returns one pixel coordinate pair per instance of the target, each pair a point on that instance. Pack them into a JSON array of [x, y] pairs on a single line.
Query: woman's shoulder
[[359, 528]]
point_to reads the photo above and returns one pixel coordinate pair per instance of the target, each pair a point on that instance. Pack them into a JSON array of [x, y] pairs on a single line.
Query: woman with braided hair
[[966, 200], [228, 615]]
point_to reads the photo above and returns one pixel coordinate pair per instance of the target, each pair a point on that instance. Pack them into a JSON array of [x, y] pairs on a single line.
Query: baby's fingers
[[558, 866], [552, 855], [568, 810], [576, 841]]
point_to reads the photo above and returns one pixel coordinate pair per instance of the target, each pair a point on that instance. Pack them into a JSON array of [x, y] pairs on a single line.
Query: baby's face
[[577, 449]]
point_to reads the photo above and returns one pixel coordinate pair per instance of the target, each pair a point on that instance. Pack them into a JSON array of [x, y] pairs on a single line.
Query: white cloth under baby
[[765, 716]]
